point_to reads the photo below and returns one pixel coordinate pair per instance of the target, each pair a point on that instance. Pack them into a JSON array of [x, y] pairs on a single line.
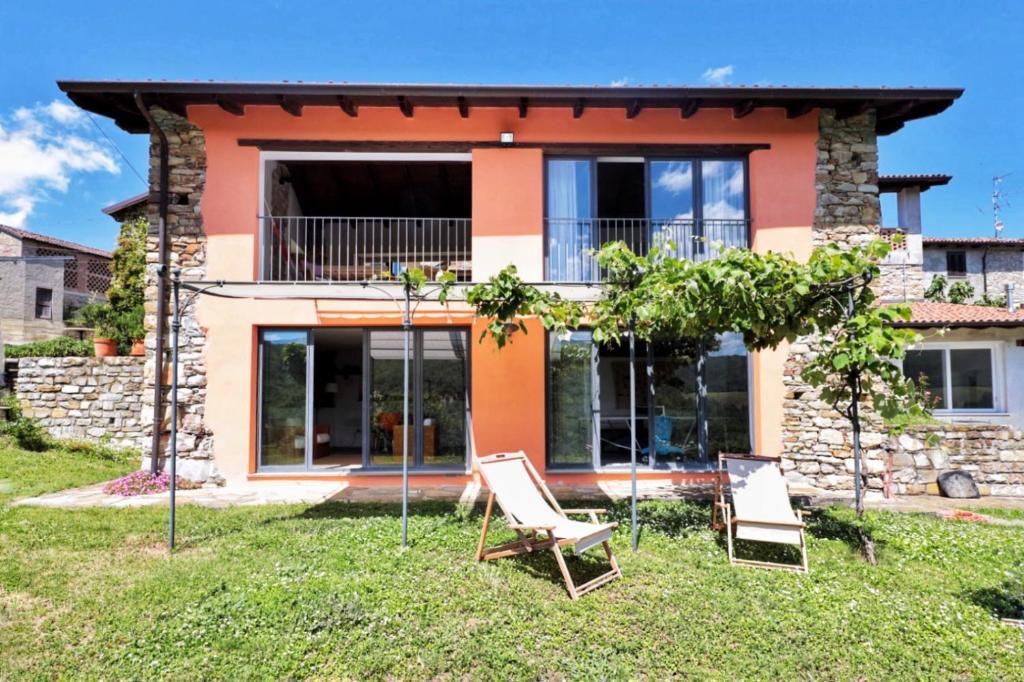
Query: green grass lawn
[[325, 592]]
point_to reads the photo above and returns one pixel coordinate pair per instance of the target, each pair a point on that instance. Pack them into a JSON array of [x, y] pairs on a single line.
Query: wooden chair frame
[[722, 518], [529, 538]]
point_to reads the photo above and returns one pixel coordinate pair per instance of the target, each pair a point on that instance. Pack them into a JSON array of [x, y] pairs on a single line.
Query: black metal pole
[[175, 327], [632, 429], [407, 330]]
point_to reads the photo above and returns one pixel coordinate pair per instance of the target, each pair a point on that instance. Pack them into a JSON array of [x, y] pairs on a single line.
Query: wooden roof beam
[[577, 108], [850, 110], [291, 106], [689, 107], [405, 105], [799, 109], [348, 106], [743, 109], [463, 107], [231, 106], [633, 109], [523, 107]]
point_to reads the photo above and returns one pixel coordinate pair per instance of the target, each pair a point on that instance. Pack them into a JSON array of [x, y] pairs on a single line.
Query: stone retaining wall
[[86, 398]]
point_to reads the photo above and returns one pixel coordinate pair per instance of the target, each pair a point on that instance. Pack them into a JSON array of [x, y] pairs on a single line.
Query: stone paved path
[[316, 492]]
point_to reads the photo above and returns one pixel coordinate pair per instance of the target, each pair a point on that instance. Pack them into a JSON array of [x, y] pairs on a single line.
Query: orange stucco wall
[[507, 385]]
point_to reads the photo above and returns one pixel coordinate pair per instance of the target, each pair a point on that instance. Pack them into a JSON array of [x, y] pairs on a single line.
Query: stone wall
[[815, 436], [992, 453], [187, 250], [86, 398], [1002, 266]]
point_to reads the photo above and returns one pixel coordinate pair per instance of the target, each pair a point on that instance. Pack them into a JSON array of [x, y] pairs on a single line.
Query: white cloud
[[676, 178], [39, 154], [718, 75], [620, 82]]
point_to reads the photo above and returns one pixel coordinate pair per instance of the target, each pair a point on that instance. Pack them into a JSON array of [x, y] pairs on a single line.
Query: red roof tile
[[974, 241], [53, 241], [929, 314]]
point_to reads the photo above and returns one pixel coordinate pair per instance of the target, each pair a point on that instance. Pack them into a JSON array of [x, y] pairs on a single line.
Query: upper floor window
[[686, 205], [44, 304], [958, 377], [956, 263]]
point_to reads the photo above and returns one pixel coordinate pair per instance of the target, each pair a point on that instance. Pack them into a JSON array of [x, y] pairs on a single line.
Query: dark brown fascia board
[[462, 146], [895, 105]]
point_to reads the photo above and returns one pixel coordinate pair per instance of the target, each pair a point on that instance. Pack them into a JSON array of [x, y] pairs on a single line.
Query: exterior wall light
[[507, 139]]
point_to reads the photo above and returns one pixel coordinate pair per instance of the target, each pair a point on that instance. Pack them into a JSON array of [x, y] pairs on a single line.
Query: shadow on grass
[[1003, 601], [841, 523]]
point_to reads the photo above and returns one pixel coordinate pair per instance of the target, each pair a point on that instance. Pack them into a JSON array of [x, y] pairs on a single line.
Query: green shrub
[[29, 434], [60, 347], [936, 290], [961, 292], [99, 450]]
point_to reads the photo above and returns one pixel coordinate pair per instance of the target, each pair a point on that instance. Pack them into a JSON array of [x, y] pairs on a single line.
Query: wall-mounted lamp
[[507, 139]]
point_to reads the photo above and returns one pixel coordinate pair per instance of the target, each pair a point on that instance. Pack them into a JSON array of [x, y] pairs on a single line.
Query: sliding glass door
[[333, 399], [694, 405], [284, 422]]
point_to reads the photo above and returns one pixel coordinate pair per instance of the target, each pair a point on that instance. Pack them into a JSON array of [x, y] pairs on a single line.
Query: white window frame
[[996, 348]]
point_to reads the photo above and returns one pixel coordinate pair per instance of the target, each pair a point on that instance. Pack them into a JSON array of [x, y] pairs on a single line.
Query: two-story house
[[307, 199]]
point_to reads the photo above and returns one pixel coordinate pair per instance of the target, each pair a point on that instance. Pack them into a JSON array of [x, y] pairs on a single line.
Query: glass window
[[723, 188], [44, 304], [570, 216], [283, 396], [672, 205], [970, 378], [675, 404], [927, 368], [386, 397], [614, 399], [570, 405], [728, 400], [445, 401], [956, 263]]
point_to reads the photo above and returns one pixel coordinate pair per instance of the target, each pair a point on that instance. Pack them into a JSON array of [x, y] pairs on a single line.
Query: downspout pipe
[[161, 286]]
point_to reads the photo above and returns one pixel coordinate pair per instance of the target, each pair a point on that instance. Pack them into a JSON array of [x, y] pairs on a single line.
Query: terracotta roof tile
[[929, 314], [973, 241], [53, 241]]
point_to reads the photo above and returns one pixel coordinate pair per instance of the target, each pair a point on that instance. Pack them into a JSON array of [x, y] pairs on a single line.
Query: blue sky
[[65, 170]]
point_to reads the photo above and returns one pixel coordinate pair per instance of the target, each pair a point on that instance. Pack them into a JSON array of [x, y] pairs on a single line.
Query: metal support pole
[[632, 429], [175, 328], [407, 327]]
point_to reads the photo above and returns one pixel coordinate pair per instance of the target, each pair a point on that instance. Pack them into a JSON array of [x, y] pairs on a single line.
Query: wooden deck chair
[[531, 510], [760, 509]]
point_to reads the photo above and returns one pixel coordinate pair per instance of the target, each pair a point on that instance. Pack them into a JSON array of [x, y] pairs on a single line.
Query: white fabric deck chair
[[760, 509], [530, 510]]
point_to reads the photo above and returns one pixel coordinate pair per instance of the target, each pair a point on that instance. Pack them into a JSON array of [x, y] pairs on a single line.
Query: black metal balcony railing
[[570, 241], [339, 249]]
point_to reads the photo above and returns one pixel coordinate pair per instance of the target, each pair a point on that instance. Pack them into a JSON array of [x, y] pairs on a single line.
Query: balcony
[[355, 249], [571, 241]]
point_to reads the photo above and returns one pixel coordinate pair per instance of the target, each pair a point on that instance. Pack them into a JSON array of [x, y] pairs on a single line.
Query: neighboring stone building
[[31, 298], [133, 207], [987, 264], [42, 278]]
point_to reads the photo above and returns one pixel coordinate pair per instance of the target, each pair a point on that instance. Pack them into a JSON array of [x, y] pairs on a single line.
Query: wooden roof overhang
[[115, 99]]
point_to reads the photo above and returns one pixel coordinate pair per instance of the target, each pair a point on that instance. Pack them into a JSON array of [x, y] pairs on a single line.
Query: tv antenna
[[997, 204]]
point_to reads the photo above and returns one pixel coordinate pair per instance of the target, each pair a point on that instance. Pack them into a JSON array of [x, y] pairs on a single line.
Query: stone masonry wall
[[86, 398], [817, 444], [187, 250], [816, 438]]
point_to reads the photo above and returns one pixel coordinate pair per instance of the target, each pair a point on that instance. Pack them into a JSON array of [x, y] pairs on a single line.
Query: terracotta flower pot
[[138, 348], [104, 348]]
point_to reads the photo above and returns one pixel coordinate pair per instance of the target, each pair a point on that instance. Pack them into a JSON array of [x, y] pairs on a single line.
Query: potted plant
[[132, 331], [100, 317]]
